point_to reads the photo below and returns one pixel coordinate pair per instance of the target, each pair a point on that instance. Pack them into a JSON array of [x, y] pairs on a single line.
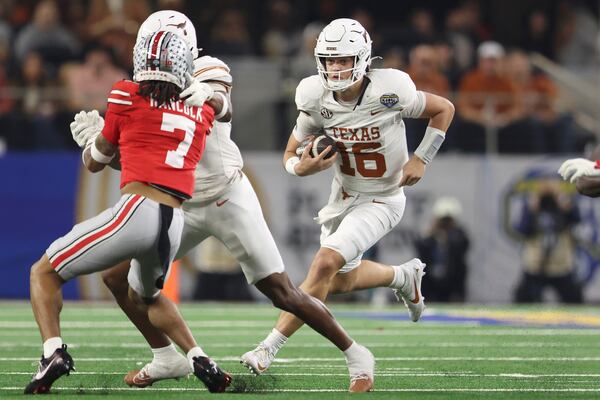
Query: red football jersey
[[158, 145]]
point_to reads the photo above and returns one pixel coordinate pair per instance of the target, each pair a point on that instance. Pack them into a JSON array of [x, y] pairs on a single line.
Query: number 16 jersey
[[159, 145], [370, 134]]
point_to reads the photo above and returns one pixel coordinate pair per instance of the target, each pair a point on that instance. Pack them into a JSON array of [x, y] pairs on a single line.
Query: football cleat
[[410, 292], [362, 373], [215, 379], [155, 371], [49, 370], [259, 359]]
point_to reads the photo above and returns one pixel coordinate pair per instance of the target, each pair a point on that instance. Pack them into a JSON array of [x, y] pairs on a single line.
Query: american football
[[320, 143]]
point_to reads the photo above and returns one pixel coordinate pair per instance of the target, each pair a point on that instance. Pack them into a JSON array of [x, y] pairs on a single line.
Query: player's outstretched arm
[[100, 153], [440, 112]]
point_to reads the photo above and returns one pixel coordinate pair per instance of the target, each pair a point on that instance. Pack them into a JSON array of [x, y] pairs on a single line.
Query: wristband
[[290, 165], [99, 157], [431, 143], [225, 107], [597, 165]]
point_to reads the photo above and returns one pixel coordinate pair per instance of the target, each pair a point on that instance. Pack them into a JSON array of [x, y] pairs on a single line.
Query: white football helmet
[[343, 37], [170, 21], [162, 56]]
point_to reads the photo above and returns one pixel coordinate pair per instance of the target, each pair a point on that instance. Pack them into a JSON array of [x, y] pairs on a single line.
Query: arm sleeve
[[305, 126], [416, 108], [112, 126]]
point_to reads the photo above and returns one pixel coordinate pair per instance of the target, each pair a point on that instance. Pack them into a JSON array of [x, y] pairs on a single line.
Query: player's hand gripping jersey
[[370, 135], [160, 148]]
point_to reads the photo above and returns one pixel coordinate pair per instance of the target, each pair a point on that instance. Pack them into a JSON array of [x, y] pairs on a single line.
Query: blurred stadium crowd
[[61, 56]]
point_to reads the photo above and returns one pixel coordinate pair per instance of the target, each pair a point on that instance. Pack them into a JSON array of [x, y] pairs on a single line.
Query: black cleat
[[49, 370], [215, 379]]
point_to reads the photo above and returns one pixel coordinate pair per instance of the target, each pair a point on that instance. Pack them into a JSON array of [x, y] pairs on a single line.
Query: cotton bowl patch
[[389, 99]]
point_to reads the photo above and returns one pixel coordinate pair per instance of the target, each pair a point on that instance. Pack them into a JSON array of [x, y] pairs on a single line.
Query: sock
[[195, 352], [51, 345], [165, 354], [275, 340], [399, 278]]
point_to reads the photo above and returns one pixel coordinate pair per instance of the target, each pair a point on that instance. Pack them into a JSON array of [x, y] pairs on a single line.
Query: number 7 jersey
[[370, 135], [159, 145]]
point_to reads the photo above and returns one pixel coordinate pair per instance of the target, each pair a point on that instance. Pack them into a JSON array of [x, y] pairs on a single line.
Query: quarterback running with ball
[[361, 109]]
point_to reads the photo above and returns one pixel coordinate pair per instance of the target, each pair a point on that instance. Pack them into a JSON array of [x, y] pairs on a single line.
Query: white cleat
[[411, 293], [259, 359], [154, 371], [362, 372]]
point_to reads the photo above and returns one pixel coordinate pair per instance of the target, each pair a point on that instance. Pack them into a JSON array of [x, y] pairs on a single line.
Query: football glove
[[86, 126], [575, 168], [196, 93]]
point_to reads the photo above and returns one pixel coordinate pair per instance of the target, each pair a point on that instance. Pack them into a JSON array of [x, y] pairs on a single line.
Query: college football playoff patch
[[389, 99]]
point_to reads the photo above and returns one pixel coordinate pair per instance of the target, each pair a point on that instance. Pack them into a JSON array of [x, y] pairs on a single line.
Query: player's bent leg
[[46, 301], [45, 287], [300, 308], [116, 281]]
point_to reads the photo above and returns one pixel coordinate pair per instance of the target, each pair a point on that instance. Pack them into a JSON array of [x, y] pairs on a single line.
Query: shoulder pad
[[209, 68], [395, 81], [309, 93], [122, 93]]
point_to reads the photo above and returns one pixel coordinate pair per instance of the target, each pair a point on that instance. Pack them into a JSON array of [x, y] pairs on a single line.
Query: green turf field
[[451, 354]]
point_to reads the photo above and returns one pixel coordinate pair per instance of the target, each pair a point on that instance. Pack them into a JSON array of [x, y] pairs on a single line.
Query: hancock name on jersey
[[192, 112], [364, 134]]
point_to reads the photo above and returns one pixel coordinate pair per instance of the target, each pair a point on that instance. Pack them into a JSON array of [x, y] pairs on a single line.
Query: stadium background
[[58, 57]]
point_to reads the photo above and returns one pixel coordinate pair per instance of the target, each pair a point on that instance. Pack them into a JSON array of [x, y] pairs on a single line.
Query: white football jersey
[[221, 161], [370, 134]]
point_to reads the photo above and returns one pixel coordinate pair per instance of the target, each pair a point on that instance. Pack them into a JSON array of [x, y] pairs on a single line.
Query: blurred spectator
[[538, 36], [89, 83], [444, 250], [229, 35], [548, 253], [219, 276], [114, 24], [423, 69], [578, 47], [36, 109], [490, 100], [281, 39], [421, 29], [46, 36], [444, 56], [464, 30], [540, 96], [303, 64], [394, 58]]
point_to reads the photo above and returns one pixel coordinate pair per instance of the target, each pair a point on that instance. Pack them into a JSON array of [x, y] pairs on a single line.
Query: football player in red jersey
[[160, 141]]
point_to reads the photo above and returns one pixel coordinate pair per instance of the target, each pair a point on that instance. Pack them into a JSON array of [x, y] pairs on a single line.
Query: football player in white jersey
[[225, 206], [362, 110]]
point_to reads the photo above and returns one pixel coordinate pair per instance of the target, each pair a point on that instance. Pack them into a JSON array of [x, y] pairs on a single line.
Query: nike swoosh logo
[[417, 296], [260, 367], [378, 202], [142, 379], [375, 112], [220, 203], [41, 373]]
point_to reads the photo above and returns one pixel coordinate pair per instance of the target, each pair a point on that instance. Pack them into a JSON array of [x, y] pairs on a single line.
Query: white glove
[[86, 126], [196, 93], [575, 168]]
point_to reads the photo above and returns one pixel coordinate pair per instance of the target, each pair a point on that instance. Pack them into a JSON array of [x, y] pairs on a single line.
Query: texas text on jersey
[[159, 148]]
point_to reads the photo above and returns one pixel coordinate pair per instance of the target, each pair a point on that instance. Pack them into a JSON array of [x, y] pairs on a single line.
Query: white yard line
[[340, 359], [111, 329], [392, 390], [395, 344]]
